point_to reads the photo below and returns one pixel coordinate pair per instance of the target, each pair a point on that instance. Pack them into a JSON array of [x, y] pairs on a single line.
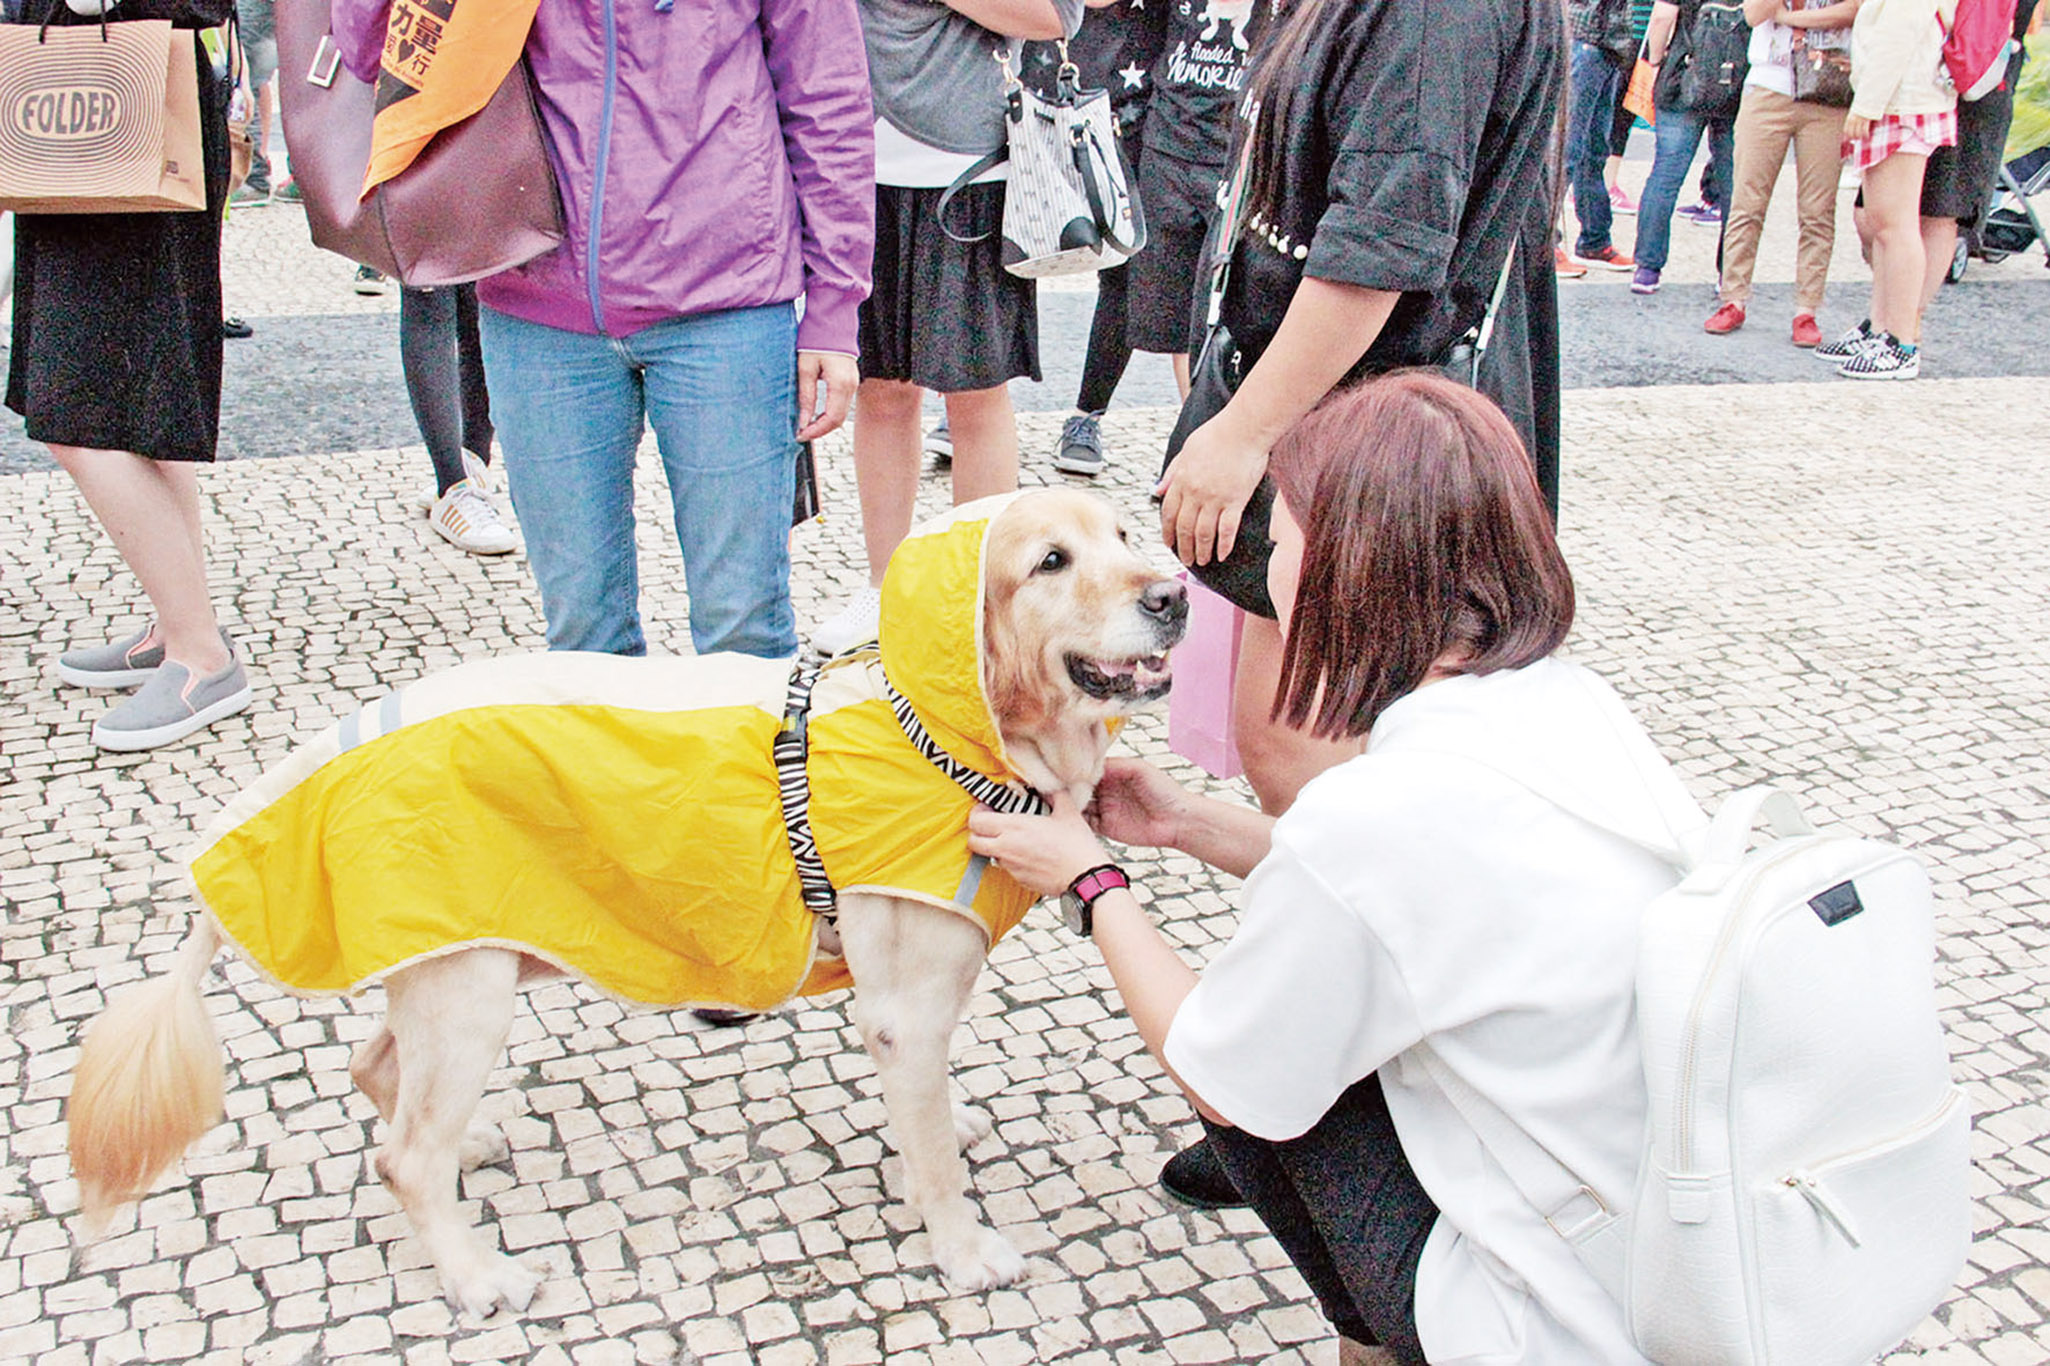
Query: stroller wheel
[[1960, 257]]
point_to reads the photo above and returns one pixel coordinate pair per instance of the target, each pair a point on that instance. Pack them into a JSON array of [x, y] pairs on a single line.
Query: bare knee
[[887, 399]]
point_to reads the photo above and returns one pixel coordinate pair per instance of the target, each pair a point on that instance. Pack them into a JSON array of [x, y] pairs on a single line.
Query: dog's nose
[[1165, 600]]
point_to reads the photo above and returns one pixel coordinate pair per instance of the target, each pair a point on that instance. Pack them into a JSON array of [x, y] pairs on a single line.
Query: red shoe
[[1565, 266], [1728, 319], [1608, 256], [1806, 333]]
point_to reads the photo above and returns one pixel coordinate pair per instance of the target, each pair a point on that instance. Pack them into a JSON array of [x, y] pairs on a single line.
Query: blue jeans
[[720, 390], [1591, 109], [1679, 135]]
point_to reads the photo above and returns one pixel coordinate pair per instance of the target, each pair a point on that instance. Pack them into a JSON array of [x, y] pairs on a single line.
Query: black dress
[[117, 317]]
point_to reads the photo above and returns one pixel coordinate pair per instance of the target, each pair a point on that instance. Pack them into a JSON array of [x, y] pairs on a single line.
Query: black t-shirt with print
[[1115, 51], [1200, 76], [1420, 154]]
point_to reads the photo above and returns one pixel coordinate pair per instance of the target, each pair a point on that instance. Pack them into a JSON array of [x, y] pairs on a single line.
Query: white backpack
[[1802, 1198]]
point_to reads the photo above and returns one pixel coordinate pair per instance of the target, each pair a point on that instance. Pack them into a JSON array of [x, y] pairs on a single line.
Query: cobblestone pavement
[[1835, 587]]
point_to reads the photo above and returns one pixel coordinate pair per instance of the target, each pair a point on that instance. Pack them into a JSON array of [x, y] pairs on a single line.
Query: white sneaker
[[851, 627], [474, 470], [466, 520]]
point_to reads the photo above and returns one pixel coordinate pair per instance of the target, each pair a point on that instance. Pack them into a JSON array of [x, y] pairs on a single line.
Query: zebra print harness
[[791, 746]]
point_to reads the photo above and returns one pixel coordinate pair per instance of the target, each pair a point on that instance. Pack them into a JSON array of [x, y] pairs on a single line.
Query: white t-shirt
[[904, 161], [1772, 58], [1414, 896]]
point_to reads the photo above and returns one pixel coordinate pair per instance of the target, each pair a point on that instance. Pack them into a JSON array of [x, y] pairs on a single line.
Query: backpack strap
[[1569, 1205]]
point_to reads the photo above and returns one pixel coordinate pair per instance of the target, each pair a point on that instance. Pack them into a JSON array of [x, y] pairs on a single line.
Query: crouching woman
[[1422, 922]]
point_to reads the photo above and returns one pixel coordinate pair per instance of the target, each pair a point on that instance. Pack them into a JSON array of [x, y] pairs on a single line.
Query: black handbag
[[1240, 577]]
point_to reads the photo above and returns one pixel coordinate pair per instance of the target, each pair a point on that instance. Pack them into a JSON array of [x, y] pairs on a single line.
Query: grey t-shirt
[[935, 74]]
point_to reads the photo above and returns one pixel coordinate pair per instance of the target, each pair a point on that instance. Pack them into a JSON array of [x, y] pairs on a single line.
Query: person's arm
[[1046, 854], [820, 70], [1882, 60], [1013, 18], [1658, 33], [1138, 805], [1327, 328], [1839, 15]]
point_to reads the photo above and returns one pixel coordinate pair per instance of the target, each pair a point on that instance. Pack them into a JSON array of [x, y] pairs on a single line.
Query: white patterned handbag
[[1069, 204]]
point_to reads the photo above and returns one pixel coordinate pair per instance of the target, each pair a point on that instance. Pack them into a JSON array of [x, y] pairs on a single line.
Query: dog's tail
[[148, 1082]]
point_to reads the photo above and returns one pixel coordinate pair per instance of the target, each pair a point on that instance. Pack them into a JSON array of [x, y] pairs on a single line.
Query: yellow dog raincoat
[[622, 818]]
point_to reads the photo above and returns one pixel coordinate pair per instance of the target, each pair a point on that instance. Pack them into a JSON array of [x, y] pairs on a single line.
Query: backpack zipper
[[1683, 1101]]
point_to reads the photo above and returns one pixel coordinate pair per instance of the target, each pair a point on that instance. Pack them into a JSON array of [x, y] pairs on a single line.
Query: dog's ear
[[1008, 663]]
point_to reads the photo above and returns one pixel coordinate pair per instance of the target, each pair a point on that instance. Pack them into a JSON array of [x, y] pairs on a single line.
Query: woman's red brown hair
[[1424, 539]]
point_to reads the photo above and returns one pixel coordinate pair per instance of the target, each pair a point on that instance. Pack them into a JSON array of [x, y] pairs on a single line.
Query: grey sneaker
[[117, 664], [939, 443], [1081, 448], [171, 706]]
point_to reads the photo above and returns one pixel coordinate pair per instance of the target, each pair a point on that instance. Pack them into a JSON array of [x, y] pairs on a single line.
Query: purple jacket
[[716, 154]]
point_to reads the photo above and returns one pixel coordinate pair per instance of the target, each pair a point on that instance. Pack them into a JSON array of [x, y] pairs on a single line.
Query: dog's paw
[[984, 1260], [971, 1126], [482, 1146], [491, 1282]]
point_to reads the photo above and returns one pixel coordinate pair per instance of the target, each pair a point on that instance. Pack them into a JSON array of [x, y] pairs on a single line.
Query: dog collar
[[985, 789]]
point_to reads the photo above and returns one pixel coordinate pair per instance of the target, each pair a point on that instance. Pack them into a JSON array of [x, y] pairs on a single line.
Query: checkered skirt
[[1920, 134]]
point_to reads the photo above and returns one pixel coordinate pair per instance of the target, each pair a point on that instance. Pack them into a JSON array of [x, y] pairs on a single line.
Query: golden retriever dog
[[1064, 628]]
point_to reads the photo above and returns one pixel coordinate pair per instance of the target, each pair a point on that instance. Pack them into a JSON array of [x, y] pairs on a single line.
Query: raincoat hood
[[931, 632]]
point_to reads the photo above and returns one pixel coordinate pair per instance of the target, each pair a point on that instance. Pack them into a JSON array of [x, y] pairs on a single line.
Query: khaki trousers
[[1767, 122]]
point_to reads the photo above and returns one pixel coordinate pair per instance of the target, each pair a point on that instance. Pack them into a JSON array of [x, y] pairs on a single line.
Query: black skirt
[[944, 314], [117, 318]]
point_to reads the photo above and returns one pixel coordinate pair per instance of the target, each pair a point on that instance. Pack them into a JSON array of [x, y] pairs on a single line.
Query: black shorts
[[944, 314], [1166, 290], [1958, 182], [1345, 1205]]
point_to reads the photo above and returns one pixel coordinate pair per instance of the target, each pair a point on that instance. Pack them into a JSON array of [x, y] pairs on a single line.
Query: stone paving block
[[1857, 614]]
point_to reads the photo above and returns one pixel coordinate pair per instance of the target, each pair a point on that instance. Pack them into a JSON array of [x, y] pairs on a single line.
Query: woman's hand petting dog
[[1137, 804], [1045, 853]]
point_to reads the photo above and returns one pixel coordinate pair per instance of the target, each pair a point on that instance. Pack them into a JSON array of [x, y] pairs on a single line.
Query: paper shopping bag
[[1205, 663], [99, 119], [1638, 97]]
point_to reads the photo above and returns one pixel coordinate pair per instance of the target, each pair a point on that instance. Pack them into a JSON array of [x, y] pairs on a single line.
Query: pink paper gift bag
[[1199, 707]]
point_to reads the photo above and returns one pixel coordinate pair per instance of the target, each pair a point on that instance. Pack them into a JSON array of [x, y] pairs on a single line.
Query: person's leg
[[1103, 365], [150, 510], [1180, 362], [1591, 102], [1893, 197], [886, 422], [1759, 147], [985, 443], [1718, 174], [1679, 134], [722, 398], [1818, 167], [1345, 1205], [1939, 245], [470, 366], [1278, 759], [427, 351], [569, 410]]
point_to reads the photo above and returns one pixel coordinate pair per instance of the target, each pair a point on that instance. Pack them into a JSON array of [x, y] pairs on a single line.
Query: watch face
[[1075, 913]]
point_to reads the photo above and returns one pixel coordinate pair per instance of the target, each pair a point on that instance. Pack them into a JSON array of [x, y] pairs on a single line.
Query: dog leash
[[794, 785]]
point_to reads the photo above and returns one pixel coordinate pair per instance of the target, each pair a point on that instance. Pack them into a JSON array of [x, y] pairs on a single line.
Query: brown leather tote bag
[[480, 199]]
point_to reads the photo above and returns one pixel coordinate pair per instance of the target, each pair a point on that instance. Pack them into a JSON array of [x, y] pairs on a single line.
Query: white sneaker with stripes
[[466, 520]]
